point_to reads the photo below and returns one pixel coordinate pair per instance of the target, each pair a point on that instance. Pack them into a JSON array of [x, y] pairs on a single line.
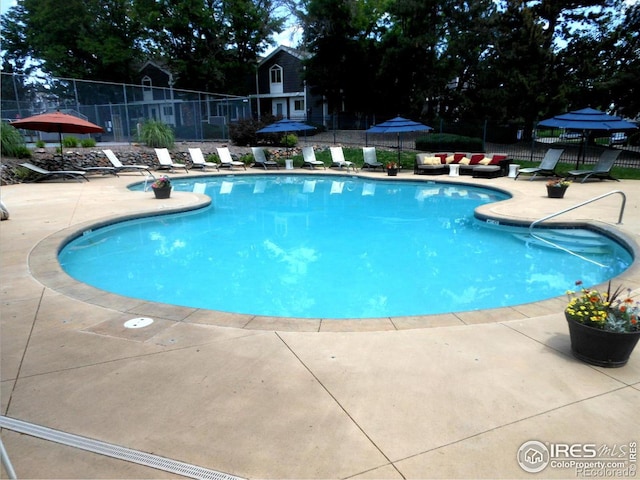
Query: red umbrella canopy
[[57, 122]]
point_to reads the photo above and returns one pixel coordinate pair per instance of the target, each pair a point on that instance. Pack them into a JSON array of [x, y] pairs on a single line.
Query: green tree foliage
[[87, 39], [341, 35], [210, 45]]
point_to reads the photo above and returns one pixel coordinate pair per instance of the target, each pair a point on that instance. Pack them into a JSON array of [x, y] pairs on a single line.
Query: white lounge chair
[[166, 163], [226, 160], [337, 159], [197, 158], [120, 167], [371, 159], [309, 158], [260, 159], [48, 174]]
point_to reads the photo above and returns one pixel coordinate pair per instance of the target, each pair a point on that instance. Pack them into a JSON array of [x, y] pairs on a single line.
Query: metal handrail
[[540, 220], [624, 202]]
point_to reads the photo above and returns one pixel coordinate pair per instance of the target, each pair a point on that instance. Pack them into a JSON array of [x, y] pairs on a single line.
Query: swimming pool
[[316, 246]]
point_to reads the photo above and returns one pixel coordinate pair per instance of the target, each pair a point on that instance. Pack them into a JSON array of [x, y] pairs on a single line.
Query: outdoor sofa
[[483, 165]]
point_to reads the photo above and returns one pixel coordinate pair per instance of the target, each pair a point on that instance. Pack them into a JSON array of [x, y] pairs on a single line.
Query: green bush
[[156, 134], [12, 143], [445, 142], [88, 143], [289, 140], [243, 132], [70, 142], [41, 143]]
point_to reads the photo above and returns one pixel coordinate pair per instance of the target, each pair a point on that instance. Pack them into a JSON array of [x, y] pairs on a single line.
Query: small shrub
[[88, 143], [243, 132], [156, 134], [12, 143], [289, 140], [41, 143], [70, 142], [445, 142], [246, 159]]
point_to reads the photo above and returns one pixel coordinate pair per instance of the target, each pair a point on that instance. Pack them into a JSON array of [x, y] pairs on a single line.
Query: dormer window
[[276, 74], [275, 79], [146, 84]]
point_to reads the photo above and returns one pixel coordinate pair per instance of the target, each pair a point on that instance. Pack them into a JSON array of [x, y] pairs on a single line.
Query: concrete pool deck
[[445, 396]]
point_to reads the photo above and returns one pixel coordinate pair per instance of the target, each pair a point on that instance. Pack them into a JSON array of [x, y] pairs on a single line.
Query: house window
[[146, 84], [168, 111], [275, 73], [298, 105]]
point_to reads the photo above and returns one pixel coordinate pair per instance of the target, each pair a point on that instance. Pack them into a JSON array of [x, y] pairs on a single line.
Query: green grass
[[354, 155], [407, 159]]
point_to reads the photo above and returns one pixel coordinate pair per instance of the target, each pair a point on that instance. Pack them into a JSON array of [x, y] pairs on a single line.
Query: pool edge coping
[[45, 268]]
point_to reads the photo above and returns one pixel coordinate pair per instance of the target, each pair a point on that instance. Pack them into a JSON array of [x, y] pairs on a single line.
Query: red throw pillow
[[475, 158], [442, 157], [497, 159]]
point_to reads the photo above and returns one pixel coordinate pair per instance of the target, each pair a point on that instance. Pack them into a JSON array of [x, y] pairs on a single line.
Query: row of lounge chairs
[[547, 167]]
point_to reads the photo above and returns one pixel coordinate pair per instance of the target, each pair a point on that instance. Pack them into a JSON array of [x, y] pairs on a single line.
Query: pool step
[[575, 240]]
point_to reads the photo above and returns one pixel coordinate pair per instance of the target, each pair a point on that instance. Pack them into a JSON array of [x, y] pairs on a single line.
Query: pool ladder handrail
[[586, 202]]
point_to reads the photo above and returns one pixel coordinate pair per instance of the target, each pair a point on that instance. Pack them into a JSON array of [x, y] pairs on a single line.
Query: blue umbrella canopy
[[399, 125], [286, 125], [588, 119]]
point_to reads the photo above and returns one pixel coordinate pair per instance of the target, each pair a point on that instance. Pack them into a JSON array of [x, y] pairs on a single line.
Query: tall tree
[[86, 39], [210, 45], [341, 35]]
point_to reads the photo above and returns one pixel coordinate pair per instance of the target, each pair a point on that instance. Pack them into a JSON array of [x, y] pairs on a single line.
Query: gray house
[[281, 90]]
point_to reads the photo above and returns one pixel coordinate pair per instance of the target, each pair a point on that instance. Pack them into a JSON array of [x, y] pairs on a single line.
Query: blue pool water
[[314, 246]]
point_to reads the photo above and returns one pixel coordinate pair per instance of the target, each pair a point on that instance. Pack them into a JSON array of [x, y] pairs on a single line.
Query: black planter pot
[[392, 172], [164, 192], [556, 192], [600, 347]]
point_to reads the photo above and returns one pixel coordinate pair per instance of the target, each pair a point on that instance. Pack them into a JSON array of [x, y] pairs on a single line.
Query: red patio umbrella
[[57, 122]]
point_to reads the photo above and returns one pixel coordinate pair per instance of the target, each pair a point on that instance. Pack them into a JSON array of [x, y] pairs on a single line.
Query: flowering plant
[[604, 310], [161, 182], [391, 165], [558, 182]]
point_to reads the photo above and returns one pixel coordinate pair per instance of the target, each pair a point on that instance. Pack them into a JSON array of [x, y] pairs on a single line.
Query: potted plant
[[162, 187], [603, 326], [392, 169], [557, 187]]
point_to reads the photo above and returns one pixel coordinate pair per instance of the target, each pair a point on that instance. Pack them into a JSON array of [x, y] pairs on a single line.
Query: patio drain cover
[[138, 322]]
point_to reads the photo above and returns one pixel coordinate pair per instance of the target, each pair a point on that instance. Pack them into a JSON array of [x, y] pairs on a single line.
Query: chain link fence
[[121, 108]]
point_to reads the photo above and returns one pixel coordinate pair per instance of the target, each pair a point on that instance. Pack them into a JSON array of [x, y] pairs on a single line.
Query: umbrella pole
[[61, 151]]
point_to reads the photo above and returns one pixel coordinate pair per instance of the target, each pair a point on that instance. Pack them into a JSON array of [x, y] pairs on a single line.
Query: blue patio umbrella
[[399, 125], [588, 120], [285, 126]]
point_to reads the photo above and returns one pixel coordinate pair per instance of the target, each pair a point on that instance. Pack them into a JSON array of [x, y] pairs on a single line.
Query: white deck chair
[[120, 167], [370, 158], [226, 160], [166, 163], [197, 158], [309, 158], [48, 174], [260, 159], [337, 159]]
